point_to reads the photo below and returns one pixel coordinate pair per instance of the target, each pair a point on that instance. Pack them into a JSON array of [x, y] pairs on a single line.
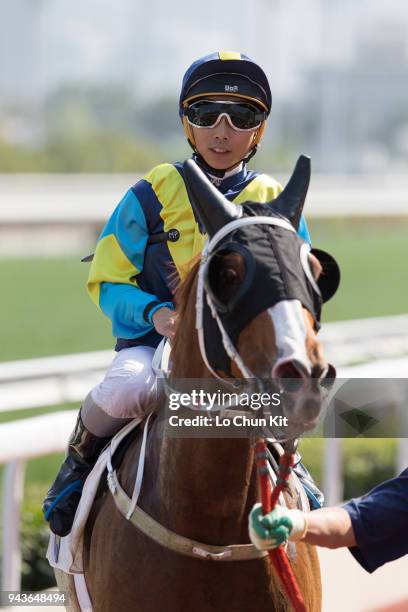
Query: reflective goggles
[[241, 116]]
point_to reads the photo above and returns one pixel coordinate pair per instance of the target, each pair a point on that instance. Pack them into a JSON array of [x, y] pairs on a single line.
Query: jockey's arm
[[118, 259]]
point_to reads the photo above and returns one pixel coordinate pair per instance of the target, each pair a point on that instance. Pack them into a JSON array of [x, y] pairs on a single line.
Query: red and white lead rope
[[269, 499]]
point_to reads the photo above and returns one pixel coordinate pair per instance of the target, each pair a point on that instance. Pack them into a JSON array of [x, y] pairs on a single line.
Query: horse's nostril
[[288, 370], [291, 378]]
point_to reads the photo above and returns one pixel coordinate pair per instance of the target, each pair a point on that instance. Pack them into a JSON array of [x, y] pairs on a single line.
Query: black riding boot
[[63, 497], [314, 495]]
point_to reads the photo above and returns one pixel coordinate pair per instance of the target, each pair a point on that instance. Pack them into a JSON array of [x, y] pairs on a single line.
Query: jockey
[[374, 527], [224, 103]]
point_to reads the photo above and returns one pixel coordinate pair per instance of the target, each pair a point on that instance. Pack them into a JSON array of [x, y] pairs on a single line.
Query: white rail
[[37, 198], [19, 441], [50, 380], [57, 380]]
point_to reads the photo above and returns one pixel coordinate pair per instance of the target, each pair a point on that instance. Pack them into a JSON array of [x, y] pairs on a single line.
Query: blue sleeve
[[380, 523], [125, 305], [303, 230], [118, 260]]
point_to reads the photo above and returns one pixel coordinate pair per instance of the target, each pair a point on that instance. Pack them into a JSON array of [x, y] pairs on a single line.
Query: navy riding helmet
[[225, 73]]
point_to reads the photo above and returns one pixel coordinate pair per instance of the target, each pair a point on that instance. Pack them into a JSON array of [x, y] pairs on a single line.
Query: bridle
[[204, 295]]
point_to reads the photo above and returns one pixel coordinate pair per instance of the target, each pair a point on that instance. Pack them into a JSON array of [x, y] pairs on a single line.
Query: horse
[[200, 490]]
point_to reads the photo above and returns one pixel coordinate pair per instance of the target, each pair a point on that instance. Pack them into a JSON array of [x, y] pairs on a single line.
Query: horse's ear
[[211, 206], [290, 202]]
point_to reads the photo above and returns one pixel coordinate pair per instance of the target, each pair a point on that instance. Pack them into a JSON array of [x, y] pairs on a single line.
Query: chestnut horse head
[[247, 312], [258, 291]]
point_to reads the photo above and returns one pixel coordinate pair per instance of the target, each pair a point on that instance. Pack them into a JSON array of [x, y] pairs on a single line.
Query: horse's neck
[[207, 487]]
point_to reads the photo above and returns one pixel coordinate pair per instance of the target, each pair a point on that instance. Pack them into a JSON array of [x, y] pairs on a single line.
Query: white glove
[[275, 528]]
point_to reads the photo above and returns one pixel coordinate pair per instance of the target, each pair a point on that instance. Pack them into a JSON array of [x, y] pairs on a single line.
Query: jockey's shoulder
[[163, 171], [263, 187], [260, 186], [268, 180], [152, 183]]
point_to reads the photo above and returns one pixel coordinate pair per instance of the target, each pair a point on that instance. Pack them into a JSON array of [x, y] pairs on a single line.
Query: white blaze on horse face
[[290, 332]]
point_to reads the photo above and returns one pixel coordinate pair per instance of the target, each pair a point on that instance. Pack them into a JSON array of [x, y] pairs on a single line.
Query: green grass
[[45, 309], [373, 255]]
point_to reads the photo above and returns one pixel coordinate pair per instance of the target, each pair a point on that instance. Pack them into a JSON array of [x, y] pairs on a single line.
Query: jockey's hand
[[164, 321], [273, 529]]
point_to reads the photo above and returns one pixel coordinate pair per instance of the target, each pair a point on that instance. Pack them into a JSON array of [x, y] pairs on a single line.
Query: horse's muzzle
[[302, 392]]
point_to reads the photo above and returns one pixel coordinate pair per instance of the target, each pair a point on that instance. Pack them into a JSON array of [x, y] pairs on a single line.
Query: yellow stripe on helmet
[[229, 55]]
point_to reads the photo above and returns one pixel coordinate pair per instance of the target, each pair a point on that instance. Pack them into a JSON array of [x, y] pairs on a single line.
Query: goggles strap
[[251, 153]]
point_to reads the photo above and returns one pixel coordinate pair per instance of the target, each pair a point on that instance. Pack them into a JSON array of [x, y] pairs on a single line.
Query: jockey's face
[[221, 146]]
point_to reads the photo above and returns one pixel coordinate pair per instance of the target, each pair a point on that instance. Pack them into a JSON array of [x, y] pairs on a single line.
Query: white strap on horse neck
[[140, 470], [209, 247], [166, 537], [175, 542], [161, 358], [163, 536], [139, 473]]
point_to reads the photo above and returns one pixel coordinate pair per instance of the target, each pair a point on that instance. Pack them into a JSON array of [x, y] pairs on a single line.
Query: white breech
[[127, 385]]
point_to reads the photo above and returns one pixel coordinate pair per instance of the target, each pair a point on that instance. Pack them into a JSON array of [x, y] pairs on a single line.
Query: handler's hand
[[273, 529], [164, 321]]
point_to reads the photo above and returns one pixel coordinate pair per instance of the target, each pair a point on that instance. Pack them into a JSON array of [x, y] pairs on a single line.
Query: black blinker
[[329, 280]]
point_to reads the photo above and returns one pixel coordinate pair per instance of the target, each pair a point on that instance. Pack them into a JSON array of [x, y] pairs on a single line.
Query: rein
[[269, 499]]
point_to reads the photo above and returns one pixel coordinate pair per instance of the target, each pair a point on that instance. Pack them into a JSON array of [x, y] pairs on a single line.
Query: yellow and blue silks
[[128, 275]]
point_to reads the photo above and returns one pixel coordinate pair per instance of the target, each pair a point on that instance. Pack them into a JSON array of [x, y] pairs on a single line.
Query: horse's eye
[[229, 276], [226, 275]]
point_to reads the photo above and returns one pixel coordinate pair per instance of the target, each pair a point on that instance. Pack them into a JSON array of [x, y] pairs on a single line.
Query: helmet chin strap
[[219, 173]]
